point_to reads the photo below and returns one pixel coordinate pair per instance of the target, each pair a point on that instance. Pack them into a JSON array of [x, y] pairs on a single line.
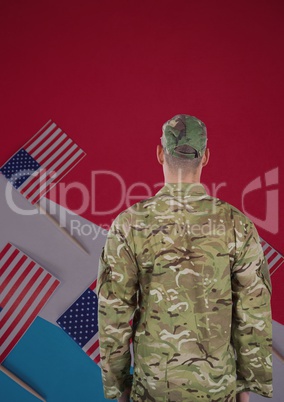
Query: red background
[[109, 73]]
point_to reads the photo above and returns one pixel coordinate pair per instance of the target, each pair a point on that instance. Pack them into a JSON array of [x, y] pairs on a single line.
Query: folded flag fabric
[[48, 156], [25, 287], [80, 322]]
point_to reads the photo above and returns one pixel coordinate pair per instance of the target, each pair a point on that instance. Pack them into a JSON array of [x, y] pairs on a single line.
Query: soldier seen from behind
[[184, 277]]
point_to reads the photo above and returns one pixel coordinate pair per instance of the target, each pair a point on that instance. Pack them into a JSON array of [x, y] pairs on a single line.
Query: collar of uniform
[[183, 189]]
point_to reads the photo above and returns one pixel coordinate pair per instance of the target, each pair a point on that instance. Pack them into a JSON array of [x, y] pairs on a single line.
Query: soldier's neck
[[180, 178]]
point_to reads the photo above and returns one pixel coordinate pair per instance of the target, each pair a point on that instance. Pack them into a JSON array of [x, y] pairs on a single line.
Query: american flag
[[274, 259], [80, 321], [25, 287], [48, 156]]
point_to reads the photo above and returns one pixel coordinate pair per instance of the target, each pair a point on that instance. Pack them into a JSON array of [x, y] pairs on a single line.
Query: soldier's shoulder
[[235, 214], [136, 211]]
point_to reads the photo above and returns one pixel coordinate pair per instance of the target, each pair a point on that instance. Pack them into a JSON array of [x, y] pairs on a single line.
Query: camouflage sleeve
[[117, 293], [251, 321]]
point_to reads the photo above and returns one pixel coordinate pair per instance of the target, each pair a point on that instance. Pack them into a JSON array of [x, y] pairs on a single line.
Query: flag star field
[[19, 168], [80, 320]]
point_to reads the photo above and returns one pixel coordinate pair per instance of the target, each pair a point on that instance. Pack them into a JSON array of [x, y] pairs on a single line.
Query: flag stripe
[[11, 306], [63, 158], [8, 262], [47, 165], [16, 282], [46, 186], [59, 145], [38, 134], [44, 141], [34, 182], [92, 348], [60, 156], [60, 174], [267, 250], [93, 285], [270, 255], [38, 184], [276, 267], [273, 257], [275, 260], [5, 250], [265, 246], [97, 359], [25, 288], [48, 144], [61, 163], [34, 142], [29, 321], [18, 317], [95, 355], [79, 155], [5, 281], [89, 347], [9, 251], [27, 274]]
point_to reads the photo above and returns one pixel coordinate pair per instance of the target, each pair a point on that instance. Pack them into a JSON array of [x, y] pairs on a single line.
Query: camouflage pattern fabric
[[190, 270], [184, 130]]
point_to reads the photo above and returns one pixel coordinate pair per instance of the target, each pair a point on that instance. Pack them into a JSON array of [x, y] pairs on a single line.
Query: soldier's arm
[[251, 321], [117, 293]]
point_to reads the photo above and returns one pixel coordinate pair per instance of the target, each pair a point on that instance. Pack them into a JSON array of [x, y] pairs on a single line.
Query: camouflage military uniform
[[190, 270]]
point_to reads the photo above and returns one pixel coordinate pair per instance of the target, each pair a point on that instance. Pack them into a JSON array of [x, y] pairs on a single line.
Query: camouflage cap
[[184, 136]]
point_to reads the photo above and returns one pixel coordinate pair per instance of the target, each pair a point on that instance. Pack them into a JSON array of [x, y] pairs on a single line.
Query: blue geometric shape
[[19, 168], [80, 321], [51, 363], [10, 391]]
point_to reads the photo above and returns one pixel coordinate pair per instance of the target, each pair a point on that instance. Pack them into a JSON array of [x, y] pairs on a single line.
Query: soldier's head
[[183, 152]]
